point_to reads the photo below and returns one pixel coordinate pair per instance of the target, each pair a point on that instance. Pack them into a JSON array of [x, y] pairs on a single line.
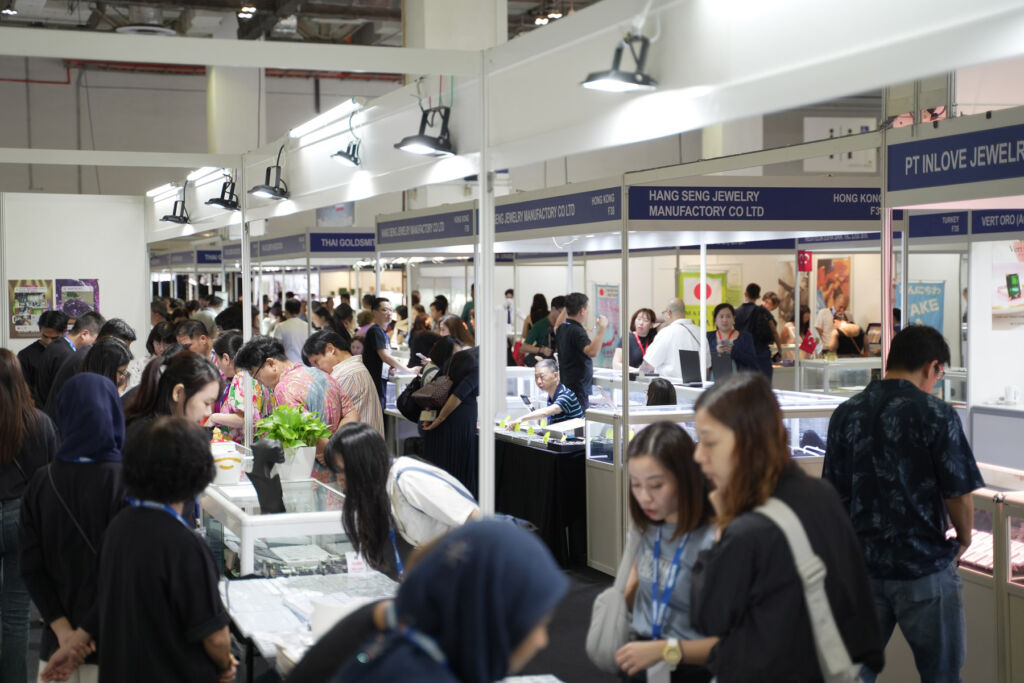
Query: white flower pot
[[298, 463]]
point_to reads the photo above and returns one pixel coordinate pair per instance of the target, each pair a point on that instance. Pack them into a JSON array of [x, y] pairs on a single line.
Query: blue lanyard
[[70, 343], [659, 604], [425, 643], [398, 560], [153, 505]]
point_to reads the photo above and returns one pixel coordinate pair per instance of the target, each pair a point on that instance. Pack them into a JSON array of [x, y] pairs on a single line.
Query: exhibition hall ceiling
[[353, 22]]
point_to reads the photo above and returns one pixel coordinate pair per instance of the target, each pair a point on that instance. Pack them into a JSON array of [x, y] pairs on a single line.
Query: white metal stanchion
[[486, 313], [247, 299]]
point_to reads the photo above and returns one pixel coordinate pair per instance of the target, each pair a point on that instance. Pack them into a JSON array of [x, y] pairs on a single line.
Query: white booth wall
[[945, 268], [994, 355], [50, 236]]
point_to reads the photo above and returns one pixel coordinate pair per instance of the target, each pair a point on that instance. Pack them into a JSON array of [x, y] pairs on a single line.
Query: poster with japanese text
[[926, 302], [29, 299], [606, 303], [78, 297]]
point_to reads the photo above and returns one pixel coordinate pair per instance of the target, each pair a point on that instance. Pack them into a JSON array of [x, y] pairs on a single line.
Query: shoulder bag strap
[[629, 553], [53, 484], [832, 654], [456, 486]]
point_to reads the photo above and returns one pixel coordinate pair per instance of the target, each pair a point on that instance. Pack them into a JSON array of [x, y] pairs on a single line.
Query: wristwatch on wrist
[[672, 654]]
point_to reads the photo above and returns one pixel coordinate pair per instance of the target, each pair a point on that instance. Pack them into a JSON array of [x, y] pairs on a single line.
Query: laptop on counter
[[689, 364]]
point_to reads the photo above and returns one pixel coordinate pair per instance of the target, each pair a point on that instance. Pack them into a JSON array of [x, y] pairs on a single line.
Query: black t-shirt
[[575, 367], [29, 358], [158, 600], [37, 449], [50, 362], [376, 339], [58, 566]]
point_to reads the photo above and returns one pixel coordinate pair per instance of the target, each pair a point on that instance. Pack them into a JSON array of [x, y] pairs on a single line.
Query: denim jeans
[[930, 612], [13, 599]]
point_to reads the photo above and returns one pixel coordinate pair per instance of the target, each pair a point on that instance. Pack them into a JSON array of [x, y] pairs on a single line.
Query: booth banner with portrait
[[1007, 274], [78, 297], [29, 300], [606, 303], [926, 303], [833, 280]]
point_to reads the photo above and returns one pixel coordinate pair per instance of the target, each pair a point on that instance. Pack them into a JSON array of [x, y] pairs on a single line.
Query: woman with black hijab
[[65, 512], [474, 610]]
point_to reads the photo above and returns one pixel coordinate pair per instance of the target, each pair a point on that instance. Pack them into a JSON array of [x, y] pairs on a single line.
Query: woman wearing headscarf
[[474, 610], [65, 512]]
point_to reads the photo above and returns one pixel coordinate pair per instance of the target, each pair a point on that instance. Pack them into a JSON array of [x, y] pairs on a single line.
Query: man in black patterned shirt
[[903, 468]]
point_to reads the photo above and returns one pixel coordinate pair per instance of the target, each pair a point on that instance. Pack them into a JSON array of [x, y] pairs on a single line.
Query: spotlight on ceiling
[[273, 187], [427, 145], [616, 80], [178, 213], [227, 199], [348, 156]]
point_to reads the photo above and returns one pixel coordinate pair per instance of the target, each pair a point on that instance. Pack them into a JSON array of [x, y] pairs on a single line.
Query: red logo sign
[[707, 292]]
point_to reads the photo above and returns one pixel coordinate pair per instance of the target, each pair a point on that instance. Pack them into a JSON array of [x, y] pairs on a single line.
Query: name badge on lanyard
[[659, 601]]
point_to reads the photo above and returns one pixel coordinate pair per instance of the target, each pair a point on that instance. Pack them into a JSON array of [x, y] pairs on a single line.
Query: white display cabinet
[[307, 538], [805, 416], [843, 376]]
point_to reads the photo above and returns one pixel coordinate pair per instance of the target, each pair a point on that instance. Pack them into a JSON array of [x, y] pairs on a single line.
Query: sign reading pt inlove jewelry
[[581, 208], [754, 203], [995, 154], [435, 227], [341, 241]]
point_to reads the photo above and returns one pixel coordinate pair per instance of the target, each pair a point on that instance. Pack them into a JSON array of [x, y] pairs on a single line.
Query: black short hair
[[105, 358], [915, 346], [575, 302], [440, 304], [558, 302], [293, 306], [660, 392], [228, 344], [230, 318], [162, 332], [368, 299], [402, 311], [256, 351], [167, 460], [289, 295], [193, 329], [214, 300], [510, 291], [115, 327], [722, 306], [379, 301], [753, 291], [54, 320], [317, 343], [91, 321]]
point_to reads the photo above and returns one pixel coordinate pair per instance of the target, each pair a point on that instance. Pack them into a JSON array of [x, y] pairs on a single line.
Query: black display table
[[548, 489]]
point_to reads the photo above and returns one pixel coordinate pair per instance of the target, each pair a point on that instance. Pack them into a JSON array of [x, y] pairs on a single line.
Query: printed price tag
[[631, 434], [530, 431], [563, 438], [547, 437], [356, 564], [608, 433], [519, 426], [543, 422]]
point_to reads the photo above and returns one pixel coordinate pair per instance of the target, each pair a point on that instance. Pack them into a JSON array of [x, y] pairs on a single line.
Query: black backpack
[[759, 325]]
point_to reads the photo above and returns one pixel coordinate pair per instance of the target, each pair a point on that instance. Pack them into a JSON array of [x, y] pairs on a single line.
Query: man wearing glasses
[[902, 466], [52, 325]]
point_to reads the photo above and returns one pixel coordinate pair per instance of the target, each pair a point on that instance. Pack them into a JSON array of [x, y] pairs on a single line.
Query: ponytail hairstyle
[[18, 417], [154, 394], [366, 515]]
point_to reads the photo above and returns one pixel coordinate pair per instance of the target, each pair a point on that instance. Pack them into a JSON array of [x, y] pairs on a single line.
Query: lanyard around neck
[[424, 643], [659, 602], [728, 337], [643, 348], [398, 560], [154, 505]]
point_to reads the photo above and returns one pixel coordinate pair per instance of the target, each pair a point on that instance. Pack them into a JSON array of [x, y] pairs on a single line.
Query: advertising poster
[[787, 289], [29, 300], [1007, 274], [606, 303], [78, 297], [926, 303], [716, 291], [833, 280]]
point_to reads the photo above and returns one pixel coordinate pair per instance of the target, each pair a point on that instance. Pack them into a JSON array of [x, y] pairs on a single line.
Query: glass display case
[[843, 376], [953, 387], [305, 539], [805, 416]]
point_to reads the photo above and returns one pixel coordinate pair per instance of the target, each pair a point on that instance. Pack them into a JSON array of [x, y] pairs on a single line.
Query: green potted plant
[[298, 432]]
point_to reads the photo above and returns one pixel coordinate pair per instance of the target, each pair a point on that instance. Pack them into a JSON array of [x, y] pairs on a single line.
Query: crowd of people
[[103, 456]]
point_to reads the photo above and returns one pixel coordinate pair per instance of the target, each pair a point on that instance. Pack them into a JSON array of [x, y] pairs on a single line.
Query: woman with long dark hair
[[188, 387], [420, 340], [746, 589], [342, 320], [392, 507], [538, 309], [110, 358], [28, 441], [450, 441], [452, 326]]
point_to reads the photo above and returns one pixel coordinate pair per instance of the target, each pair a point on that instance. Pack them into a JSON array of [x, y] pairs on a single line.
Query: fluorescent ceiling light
[[616, 80], [347, 107], [427, 145]]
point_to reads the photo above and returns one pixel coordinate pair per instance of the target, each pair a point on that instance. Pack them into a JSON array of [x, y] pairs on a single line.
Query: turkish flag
[[803, 261], [808, 345]]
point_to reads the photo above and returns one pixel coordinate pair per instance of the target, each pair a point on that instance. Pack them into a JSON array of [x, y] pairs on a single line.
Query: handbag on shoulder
[[610, 618], [433, 395]]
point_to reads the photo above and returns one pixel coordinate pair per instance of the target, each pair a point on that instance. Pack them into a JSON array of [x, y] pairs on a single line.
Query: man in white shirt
[[824, 323], [680, 334], [293, 332]]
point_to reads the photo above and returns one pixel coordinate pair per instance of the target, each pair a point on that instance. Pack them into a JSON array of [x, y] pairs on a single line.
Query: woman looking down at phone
[[726, 340], [562, 403]]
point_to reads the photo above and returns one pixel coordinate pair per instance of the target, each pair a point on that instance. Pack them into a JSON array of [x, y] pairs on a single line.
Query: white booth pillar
[[236, 109], [455, 24], [734, 137]]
